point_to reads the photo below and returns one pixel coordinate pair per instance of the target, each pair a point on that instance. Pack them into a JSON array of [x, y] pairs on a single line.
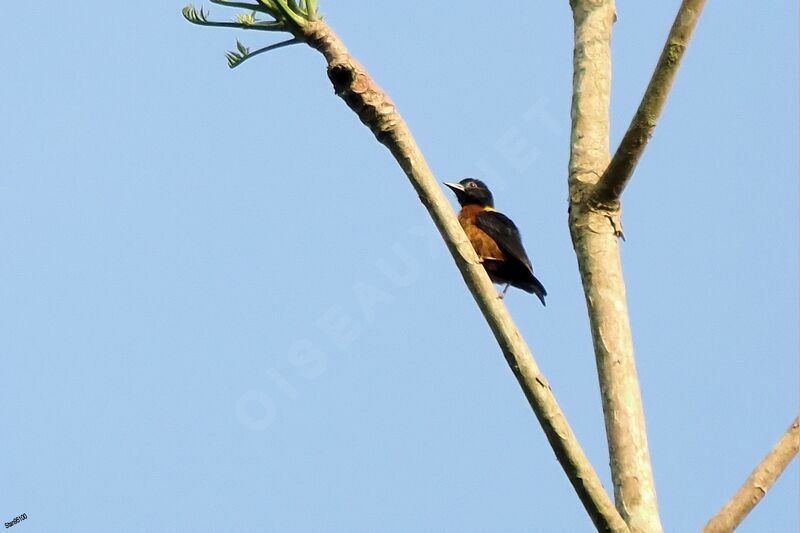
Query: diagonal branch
[[756, 486], [354, 85], [376, 110], [619, 171]]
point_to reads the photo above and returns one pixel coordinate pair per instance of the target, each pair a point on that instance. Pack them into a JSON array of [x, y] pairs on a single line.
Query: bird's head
[[472, 192]]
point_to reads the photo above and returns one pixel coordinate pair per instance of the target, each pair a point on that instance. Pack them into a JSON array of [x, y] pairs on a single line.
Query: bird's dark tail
[[535, 286]]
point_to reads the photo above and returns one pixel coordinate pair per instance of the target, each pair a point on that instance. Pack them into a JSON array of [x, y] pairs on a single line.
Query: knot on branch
[[607, 207], [590, 210], [374, 107], [612, 211], [595, 217], [341, 77]]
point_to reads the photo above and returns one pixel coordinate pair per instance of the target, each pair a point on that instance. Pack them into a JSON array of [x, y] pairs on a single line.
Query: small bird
[[495, 238]]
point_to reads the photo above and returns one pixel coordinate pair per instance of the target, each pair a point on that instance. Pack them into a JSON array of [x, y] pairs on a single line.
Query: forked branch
[[758, 483], [619, 171], [594, 235], [376, 110]]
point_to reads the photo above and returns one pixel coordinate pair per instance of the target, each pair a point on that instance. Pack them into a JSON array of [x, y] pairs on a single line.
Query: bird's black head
[[471, 191]]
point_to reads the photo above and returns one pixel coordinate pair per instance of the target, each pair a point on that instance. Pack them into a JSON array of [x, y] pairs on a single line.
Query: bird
[[495, 237]]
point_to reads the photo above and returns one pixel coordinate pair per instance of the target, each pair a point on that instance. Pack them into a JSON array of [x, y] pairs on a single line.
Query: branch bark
[[619, 171], [354, 85], [595, 232], [758, 483]]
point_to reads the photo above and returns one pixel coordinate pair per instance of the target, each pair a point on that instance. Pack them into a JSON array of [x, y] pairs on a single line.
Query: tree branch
[[594, 234], [619, 171], [375, 109], [756, 486], [352, 83]]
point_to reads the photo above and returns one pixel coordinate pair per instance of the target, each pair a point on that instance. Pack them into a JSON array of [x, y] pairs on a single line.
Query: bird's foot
[[502, 295]]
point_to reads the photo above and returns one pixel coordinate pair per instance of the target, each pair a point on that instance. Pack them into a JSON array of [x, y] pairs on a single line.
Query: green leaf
[[311, 9], [193, 15], [286, 15], [248, 19], [291, 13]]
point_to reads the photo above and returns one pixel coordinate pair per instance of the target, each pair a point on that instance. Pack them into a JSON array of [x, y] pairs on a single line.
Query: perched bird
[[495, 238]]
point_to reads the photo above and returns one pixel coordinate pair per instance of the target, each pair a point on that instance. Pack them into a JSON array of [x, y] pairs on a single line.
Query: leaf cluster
[[290, 16]]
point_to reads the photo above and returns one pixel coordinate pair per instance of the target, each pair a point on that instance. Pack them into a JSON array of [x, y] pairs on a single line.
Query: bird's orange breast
[[484, 245]]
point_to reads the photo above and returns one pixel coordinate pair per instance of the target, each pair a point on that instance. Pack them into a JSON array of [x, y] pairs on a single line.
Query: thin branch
[[200, 17], [619, 171], [352, 83], [243, 53], [594, 237], [759, 482]]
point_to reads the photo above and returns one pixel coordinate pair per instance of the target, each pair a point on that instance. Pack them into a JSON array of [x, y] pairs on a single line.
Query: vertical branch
[[758, 483], [354, 85], [373, 106], [591, 90], [595, 234]]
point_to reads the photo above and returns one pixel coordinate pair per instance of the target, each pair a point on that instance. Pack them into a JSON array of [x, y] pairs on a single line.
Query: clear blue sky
[[223, 308]]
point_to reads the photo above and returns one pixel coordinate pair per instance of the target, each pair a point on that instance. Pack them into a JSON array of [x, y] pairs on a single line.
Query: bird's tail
[[535, 286]]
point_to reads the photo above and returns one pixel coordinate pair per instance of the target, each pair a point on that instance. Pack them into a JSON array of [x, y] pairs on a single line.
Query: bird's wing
[[500, 228]]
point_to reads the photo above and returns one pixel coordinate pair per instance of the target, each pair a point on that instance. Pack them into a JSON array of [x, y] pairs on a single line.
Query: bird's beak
[[457, 187]]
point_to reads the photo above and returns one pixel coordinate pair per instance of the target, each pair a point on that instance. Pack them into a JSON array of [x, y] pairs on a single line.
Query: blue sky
[[223, 308]]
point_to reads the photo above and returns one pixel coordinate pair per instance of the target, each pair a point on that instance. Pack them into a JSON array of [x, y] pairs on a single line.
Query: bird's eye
[[471, 185]]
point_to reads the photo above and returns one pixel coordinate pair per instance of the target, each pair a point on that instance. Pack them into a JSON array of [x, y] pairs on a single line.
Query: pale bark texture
[[758, 483], [595, 232], [354, 85], [619, 171], [596, 182]]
